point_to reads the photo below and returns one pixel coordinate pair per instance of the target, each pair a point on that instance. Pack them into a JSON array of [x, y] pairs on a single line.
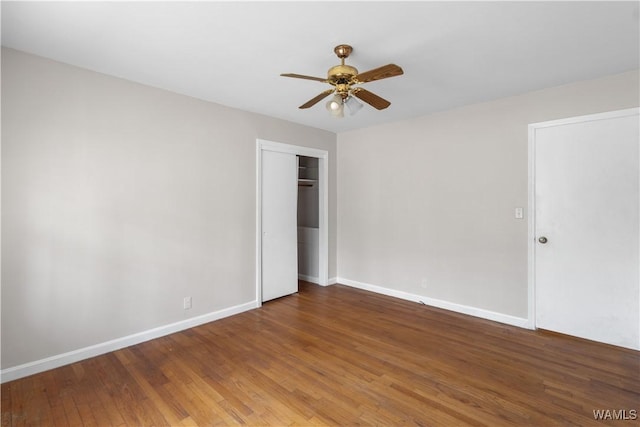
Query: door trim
[[323, 214], [531, 246]]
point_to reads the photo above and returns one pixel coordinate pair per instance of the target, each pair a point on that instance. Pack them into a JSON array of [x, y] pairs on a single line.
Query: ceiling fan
[[344, 78]]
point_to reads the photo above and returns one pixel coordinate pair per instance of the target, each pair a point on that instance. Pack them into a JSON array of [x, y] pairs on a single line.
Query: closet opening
[[308, 219]]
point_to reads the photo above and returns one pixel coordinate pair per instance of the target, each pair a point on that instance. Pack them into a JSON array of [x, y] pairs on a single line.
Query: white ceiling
[[231, 53]]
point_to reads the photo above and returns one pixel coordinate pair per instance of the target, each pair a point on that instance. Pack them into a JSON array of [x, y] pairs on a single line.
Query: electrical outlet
[[186, 303], [424, 283], [518, 213]]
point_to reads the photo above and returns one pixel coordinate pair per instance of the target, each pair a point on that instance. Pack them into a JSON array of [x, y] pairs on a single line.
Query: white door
[[586, 226], [279, 224]]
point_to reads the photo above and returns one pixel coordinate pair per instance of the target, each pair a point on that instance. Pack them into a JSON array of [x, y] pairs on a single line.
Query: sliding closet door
[[279, 224]]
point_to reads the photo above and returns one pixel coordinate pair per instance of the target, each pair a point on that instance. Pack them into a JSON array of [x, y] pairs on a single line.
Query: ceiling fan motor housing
[[341, 74]]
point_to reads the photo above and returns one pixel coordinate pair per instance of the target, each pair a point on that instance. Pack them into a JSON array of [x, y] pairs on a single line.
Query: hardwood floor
[[338, 356]]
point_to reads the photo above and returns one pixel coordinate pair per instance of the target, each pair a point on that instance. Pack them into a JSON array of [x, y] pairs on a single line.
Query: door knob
[[542, 240]]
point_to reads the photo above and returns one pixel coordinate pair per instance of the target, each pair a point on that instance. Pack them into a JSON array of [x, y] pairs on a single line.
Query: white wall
[[425, 206], [118, 200]]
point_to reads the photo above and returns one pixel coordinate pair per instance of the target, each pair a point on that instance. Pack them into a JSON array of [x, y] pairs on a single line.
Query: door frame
[[323, 206], [531, 253]]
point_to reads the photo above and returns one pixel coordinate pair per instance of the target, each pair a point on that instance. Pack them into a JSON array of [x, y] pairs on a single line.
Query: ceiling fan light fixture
[[335, 106], [342, 77], [338, 113], [353, 105]]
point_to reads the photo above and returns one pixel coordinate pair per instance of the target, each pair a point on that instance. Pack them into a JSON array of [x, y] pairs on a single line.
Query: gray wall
[[425, 206], [118, 200]]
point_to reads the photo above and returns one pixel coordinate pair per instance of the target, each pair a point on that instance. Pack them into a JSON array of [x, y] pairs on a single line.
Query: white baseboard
[[311, 279], [316, 280], [452, 306], [20, 371]]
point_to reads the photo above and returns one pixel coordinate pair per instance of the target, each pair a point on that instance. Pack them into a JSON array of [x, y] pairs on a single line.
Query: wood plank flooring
[[338, 356]]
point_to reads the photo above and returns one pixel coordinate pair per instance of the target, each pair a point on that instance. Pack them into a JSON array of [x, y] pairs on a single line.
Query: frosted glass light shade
[[335, 106], [353, 105]]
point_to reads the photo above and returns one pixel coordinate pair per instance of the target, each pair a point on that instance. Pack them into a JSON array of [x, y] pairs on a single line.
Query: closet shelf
[[303, 182]]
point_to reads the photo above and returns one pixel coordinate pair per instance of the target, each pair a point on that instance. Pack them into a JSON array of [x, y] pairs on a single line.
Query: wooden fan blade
[[371, 98], [386, 71], [300, 76], [314, 101]]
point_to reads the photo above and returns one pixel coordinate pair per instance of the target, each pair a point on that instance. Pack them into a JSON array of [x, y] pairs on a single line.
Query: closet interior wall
[[308, 219]]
